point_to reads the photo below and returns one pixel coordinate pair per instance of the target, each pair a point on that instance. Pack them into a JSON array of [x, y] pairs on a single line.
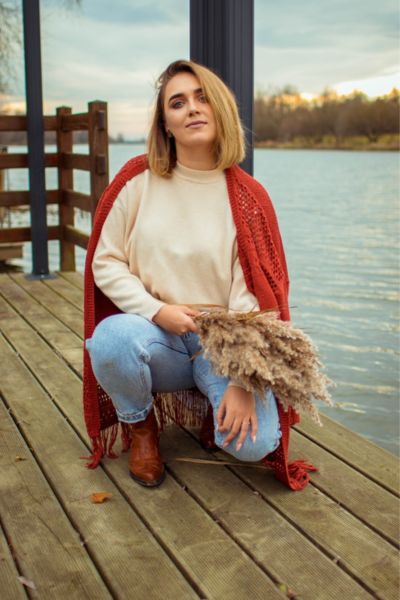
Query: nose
[[192, 106]]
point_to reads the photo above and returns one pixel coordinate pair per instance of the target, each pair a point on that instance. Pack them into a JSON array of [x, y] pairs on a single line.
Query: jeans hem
[[134, 417]]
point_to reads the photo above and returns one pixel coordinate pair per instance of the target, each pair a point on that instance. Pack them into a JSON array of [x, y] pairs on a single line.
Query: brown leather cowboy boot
[[145, 462]]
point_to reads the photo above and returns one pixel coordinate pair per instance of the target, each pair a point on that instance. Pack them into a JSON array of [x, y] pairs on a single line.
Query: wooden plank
[[360, 453], [71, 160], [123, 548], [75, 122], [65, 390], [75, 236], [23, 234], [361, 496], [345, 485], [64, 341], [315, 476], [73, 277], [76, 199], [364, 554], [214, 562], [13, 123], [38, 526], [8, 251], [67, 291], [11, 588], [19, 123], [45, 296], [368, 458], [22, 198], [20, 160], [270, 538]]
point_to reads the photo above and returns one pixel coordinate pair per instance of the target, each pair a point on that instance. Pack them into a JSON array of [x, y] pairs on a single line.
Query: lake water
[[339, 218]]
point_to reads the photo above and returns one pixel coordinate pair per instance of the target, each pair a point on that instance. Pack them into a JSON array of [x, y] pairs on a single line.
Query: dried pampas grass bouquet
[[259, 351]]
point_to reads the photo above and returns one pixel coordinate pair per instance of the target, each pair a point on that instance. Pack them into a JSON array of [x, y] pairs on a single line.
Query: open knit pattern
[[263, 262]]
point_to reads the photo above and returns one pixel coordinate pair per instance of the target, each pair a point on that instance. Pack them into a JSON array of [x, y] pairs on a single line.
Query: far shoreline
[[388, 142]]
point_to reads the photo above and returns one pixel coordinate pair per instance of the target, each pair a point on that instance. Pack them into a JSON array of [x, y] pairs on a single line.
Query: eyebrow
[[179, 94]]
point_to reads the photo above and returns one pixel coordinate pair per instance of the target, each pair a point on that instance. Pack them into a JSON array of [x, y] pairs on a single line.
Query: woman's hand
[[236, 413], [176, 318]]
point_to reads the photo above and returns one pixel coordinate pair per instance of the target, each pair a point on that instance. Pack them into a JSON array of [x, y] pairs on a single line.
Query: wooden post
[[222, 38], [98, 151], [37, 186], [65, 182], [3, 150]]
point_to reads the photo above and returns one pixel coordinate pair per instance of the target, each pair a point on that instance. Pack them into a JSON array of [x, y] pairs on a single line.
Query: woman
[[165, 242]]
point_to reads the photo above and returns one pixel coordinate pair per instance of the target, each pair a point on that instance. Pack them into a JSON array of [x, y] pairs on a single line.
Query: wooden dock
[[210, 531]]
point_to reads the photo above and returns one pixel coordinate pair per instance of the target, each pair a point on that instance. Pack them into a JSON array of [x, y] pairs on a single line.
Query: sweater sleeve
[[240, 298], [110, 266]]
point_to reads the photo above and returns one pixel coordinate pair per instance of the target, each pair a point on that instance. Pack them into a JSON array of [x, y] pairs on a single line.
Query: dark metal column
[[222, 38], [33, 82]]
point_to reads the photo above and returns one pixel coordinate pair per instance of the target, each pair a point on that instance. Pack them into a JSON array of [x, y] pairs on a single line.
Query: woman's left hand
[[236, 413]]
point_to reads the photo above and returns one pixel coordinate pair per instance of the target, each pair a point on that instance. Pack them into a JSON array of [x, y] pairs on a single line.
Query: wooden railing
[[64, 123]]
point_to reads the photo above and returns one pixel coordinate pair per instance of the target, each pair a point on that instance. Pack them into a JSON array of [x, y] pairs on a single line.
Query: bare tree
[[11, 37], [10, 40]]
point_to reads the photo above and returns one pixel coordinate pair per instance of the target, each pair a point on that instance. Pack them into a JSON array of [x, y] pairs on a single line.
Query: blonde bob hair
[[229, 147]]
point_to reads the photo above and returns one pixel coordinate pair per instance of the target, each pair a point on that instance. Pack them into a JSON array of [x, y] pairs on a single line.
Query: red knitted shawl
[[263, 261]]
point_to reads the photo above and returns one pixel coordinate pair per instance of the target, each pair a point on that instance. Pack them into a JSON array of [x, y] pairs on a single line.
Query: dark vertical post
[[33, 83], [222, 38]]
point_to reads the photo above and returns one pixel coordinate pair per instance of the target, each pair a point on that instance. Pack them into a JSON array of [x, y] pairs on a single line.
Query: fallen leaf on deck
[[204, 461], [27, 582], [286, 590], [19, 458], [99, 497]]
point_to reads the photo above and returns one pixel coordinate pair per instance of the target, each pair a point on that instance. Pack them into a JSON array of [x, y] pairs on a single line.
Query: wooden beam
[[23, 234], [75, 161], [76, 122], [18, 198], [75, 199], [8, 251], [75, 236], [20, 160], [19, 123]]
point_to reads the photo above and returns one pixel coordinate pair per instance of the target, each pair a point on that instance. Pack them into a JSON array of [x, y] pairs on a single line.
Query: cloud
[[114, 51]]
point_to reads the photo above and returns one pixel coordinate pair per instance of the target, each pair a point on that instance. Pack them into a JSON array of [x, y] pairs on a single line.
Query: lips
[[196, 123]]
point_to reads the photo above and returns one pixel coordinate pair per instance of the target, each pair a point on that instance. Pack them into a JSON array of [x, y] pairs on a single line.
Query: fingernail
[[253, 437], [238, 446], [224, 444]]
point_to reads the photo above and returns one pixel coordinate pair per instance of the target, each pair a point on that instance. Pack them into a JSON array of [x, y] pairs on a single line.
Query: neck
[[201, 159]]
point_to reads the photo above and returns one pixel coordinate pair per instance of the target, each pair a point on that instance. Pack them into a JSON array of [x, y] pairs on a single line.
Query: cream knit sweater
[[171, 240]]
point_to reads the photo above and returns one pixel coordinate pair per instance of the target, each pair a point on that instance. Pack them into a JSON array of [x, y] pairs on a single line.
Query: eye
[[176, 104], [203, 98]]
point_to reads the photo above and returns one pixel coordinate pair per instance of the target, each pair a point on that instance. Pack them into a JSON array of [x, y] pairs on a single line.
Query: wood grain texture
[[116, 538], [329, 541], [267, 535], [210, 557], [11, 588], [38, 526]]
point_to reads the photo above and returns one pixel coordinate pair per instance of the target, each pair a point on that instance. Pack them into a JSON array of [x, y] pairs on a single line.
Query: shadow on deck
[[210, 531]]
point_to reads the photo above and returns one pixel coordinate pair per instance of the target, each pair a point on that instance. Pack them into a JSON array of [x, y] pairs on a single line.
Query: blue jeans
[[133, 357]]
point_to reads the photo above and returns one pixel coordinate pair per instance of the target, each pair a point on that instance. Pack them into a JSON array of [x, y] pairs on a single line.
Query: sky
[[115, 50]]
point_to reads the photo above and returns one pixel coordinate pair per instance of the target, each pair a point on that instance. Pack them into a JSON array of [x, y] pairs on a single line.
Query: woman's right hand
[[176, 318]]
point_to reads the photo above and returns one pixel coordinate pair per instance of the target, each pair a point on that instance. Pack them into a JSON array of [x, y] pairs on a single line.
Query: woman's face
[[187, 114]]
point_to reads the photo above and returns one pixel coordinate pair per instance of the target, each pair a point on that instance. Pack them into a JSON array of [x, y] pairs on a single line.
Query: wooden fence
[[64, 123]]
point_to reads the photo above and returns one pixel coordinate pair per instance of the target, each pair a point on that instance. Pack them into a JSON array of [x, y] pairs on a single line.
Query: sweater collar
[[197, 175]]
